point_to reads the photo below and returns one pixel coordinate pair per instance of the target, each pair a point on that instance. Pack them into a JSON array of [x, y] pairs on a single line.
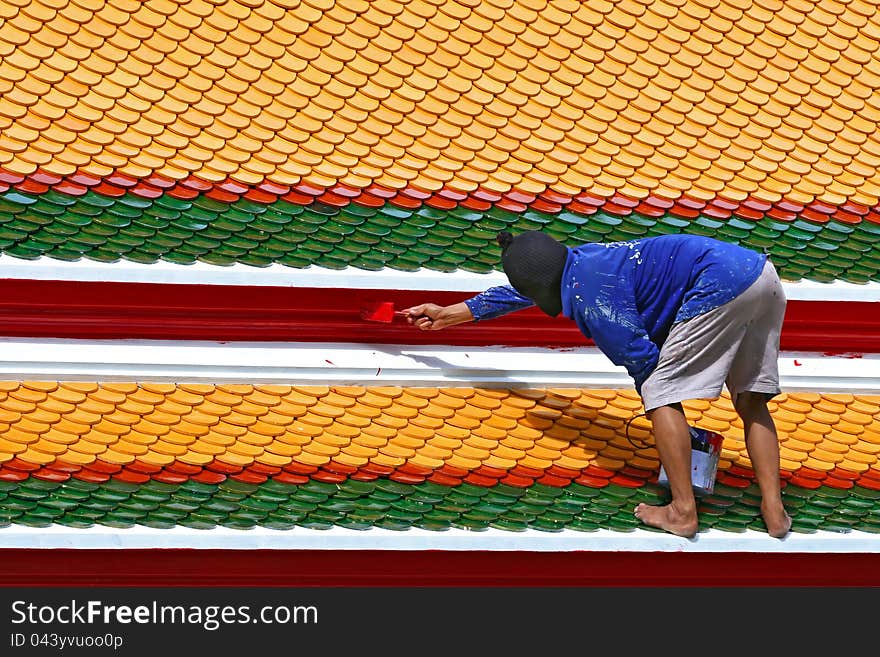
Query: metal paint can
[[705, 452]]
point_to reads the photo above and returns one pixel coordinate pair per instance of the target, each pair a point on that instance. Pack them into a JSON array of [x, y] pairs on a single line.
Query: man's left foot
[[669, 518]]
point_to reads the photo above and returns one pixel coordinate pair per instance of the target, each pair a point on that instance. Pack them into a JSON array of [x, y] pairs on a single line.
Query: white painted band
[[307, 363], [337, 538], [349, 278]]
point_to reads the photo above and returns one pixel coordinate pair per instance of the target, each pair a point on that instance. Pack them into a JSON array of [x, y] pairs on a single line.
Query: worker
[[685, 315]]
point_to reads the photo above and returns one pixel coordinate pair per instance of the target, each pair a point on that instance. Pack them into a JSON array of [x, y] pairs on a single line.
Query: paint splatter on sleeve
[[497, 301]]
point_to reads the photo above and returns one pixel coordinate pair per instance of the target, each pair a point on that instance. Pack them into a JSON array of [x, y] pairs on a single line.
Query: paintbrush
[[381, 311]]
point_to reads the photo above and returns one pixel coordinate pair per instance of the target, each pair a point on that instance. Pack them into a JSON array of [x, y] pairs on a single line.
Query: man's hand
[[431, 317]]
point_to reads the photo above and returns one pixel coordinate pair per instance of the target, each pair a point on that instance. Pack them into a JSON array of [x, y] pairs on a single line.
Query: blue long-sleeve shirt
[[626, 296]]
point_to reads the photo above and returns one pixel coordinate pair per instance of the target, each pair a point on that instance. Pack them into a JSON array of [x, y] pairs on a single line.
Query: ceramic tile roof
[[201, 455], [774, 99], [402, 135], [348, 233]]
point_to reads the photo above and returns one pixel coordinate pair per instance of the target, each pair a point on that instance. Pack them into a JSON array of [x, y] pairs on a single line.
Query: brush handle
[[400, 313]]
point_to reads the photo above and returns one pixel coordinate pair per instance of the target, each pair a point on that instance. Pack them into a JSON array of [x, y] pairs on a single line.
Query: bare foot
[[777, 520], [669, 518]]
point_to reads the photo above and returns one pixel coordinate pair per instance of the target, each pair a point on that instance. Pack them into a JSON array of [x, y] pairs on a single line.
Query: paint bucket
[[705, 451]]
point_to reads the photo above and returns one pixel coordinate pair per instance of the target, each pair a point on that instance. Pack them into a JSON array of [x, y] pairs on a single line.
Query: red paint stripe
[[116, 184], [99, 310], [435, 568]]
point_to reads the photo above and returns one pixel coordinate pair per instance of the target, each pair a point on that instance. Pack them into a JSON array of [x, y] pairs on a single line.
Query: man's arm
[[497, 301], [431, 317], [494, 302], [618, 331], [634, 351]]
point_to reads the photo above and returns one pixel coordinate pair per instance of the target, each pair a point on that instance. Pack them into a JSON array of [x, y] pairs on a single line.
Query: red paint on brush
[[382, 311]]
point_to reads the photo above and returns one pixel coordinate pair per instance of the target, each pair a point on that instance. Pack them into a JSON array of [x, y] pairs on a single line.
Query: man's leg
[[762, 444], [672, 437]]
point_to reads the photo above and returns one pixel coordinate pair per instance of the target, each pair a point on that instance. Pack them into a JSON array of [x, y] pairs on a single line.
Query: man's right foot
[[776, 519]]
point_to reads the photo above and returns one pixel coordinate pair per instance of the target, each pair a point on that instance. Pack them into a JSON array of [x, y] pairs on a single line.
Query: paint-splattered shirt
[[625, 296]]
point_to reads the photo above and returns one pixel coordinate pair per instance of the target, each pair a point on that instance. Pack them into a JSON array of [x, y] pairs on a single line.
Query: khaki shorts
[[736, 345]]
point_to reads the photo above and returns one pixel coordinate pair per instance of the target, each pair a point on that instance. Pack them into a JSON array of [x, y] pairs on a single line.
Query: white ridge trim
[[307, 363], [245, 275], [337, 538], [350, 278]]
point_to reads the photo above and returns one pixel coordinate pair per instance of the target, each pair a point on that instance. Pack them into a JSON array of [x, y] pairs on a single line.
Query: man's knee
[[749, 404], [665, 409]]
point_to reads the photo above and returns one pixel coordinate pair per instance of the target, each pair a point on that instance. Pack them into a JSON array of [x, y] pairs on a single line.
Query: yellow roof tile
[[866, 448], [507, 453], [273, 460], [245, 450], [35, 456], [240, 460]]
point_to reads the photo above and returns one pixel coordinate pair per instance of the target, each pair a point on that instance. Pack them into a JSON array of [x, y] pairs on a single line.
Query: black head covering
[[533, 262]]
